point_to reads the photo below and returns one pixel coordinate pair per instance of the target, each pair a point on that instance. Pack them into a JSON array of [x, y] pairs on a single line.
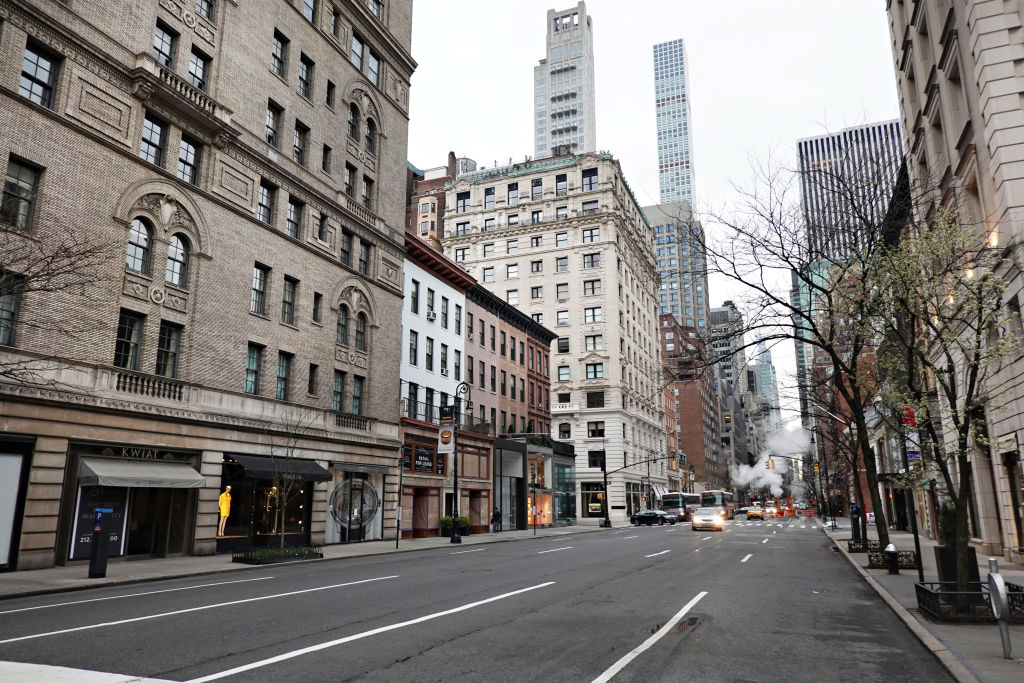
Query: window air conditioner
[[431, 316]]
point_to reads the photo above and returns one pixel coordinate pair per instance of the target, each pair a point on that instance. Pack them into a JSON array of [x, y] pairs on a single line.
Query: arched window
[[361, 332], [139, 241], [342, 334], [177, 261], [353, 121], [370, 142]]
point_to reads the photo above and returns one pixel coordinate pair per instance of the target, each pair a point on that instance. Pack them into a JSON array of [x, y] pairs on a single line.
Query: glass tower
[[672, 107]]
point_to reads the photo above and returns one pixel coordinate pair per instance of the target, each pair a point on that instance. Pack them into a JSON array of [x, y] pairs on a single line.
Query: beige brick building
[[246, 163], [960, 86]]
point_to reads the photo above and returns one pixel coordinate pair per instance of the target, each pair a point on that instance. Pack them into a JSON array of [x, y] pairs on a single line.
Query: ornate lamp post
[[462, 390]]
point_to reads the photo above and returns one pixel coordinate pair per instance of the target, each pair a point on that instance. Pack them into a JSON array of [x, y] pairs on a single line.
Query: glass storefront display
[[12, 485], [355, 510], [565, 494], [593, 499], [634, 497]]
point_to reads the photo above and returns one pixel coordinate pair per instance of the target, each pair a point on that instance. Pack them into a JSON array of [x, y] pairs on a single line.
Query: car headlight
[[718, 519]]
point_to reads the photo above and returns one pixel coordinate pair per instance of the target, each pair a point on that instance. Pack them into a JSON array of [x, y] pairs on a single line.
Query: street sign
[[913, 455]]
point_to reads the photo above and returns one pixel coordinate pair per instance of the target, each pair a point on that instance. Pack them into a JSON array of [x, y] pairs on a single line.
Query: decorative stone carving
[[143, 90], [157, 295]]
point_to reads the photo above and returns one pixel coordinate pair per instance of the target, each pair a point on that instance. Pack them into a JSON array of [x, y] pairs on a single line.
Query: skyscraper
[[671, 79], [846, 182], [564, 118], [682, 263]]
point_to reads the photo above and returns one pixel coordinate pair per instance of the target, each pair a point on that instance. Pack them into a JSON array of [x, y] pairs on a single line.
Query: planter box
[[906, 559], [945, 564], [862, 546], [268, 555], [941, 601]]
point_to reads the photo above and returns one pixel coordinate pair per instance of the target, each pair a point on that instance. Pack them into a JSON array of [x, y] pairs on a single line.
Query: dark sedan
[[650, 517]]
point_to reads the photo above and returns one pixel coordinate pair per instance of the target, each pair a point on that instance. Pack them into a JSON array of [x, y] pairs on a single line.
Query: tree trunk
[[963, 532], [881, 528], [858, 492]]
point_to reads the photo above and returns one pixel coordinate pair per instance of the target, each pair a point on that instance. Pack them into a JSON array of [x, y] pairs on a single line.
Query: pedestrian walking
[[495, 521]]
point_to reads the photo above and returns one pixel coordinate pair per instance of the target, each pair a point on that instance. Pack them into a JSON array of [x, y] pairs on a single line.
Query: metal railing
[[427, 412]]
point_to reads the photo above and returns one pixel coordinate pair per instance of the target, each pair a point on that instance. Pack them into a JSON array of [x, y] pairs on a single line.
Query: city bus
[[724, 501], [681, 504]]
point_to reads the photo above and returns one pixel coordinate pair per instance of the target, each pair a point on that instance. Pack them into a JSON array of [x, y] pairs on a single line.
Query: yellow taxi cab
[[755, 511]]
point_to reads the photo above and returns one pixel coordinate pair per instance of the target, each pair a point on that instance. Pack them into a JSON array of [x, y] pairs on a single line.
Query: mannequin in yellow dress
[[225, 509]]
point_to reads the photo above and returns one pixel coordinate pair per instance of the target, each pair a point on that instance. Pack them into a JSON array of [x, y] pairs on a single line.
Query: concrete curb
[[232, 568], [945, 656]]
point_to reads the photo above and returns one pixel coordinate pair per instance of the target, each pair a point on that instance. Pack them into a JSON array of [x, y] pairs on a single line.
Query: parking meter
[[98, 552]]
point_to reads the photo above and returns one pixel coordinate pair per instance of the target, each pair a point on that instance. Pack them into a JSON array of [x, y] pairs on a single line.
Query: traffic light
[[769, 464], [816, 468]]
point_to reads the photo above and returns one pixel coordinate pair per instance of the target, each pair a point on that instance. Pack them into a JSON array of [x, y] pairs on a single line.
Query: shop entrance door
[[156, 522]]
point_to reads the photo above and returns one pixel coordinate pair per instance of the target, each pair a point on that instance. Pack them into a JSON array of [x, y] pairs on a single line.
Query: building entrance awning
[[154, 474], [284, 468], [660, 491]]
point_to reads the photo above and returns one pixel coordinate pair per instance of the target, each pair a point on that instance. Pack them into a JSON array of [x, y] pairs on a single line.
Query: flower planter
[[271, 555], [906, 559]]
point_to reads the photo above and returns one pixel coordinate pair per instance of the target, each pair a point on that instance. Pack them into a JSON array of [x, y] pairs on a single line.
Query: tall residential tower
[[563, 91], [671, 78]]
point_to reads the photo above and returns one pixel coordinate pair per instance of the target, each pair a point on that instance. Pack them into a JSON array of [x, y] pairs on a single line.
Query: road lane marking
[[18, 671], [624, 538], [706, 538], [750, 555], [364, 634], [461, 552], [764, 541], [192, 609], [132, 595], [656, 554], [658, 635], [775, 532], [554, 550]]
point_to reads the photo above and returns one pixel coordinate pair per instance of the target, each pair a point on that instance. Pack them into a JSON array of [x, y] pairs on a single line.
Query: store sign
[[446, 430], [424, 460], [91, 498]]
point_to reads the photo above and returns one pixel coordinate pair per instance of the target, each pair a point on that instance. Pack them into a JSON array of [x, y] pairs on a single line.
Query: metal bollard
[[892, 559], [1000, 604]]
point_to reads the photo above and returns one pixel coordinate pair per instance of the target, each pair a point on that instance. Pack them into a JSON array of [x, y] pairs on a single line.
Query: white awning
[[660, 490], [156, 474]]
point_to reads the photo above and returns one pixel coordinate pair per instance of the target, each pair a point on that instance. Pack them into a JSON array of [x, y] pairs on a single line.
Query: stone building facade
[[960, 85], [565, 242], [245, 165]]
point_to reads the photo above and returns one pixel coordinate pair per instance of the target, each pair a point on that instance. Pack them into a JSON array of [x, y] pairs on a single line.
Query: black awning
[[259, 467]]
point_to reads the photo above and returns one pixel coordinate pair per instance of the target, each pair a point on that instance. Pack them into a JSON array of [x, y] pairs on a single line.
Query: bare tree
[[284, 444], [45, 272]]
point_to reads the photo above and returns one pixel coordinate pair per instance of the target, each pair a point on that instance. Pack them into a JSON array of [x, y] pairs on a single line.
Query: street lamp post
[[461, 390]]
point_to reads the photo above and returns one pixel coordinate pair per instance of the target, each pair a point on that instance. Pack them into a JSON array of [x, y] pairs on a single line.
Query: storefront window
[[565, 494], [593, 499], [263, 509], [354, 507]]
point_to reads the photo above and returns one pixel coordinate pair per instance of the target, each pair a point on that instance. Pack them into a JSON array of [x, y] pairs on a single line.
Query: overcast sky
[[763, 73]]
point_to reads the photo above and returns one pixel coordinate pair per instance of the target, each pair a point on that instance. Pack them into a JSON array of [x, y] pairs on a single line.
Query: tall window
[[444, 312], [361, 332], [335, 22], [561, 186], [561, 239], [279, 54], [300, 140], [462, 202], [350, 180], [364, 258], [329, 98], [139, 240], [309, 9], [8, 316], [305, 76], [38, 76], [356, 54], [414, 350], [338, 391], [205, 8], [265, 202], [318, 303], [313, 379], [414, 297], [293, 225], [164, 42], [167, 348], [176, 272], [188, 160], [589, 179], [258, 300], [488, 198], [198, 69], [291, 286], [377, 7], [19, 196], [345, 248], [513, 194], [273, 122], [429, 355], [152, 148], [325, 161], [536, 189], [253, 363], [367, 192], [129, 339], [370, 139], [357, 394], [353, 121], [341, 335], [284, 371], [373, 68], [458, 319]]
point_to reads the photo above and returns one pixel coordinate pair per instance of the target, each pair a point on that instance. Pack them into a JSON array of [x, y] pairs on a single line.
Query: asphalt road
[[761, 601]]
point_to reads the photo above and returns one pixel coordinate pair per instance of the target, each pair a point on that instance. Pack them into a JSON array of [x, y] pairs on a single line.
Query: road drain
[[681, 627]]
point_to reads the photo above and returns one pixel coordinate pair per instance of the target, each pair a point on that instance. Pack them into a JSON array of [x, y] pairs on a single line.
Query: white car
[[769, 511], [706, 518]]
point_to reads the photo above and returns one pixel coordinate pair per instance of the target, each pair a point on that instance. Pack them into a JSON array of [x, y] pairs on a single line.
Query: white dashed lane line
[[656, 554], [706, 538], [747, 557], [764, 541], [554, 550]]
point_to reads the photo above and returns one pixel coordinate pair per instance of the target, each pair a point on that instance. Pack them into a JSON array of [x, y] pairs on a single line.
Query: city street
[[759, 601]]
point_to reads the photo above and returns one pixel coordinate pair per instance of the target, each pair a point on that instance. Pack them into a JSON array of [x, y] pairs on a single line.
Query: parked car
[[755, 511], [706, 518], [650, 517]]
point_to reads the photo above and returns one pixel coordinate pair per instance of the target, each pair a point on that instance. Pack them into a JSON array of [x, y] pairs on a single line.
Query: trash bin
[[892, 559]]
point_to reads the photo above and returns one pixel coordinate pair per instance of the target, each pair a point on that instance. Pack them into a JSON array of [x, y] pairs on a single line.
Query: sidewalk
[[971, 652], [58, 579]]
